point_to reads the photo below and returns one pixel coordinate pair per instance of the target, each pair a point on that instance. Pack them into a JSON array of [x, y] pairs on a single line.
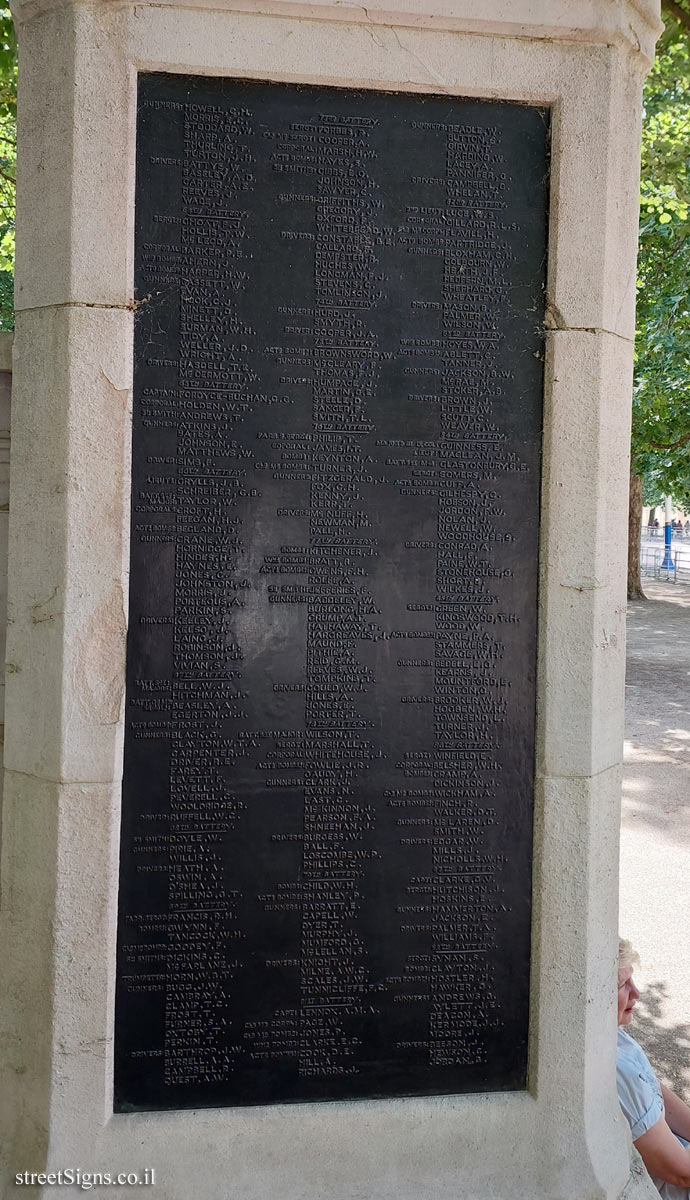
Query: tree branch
[[676, 11], [671, 445]]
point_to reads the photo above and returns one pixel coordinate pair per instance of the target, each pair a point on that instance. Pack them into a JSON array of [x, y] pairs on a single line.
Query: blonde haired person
[[659, 1120]]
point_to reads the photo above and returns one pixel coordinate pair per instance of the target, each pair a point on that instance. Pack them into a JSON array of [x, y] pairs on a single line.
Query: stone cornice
[[631, 24]]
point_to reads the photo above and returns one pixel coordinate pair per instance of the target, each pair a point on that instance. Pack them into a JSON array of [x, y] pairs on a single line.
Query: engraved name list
[[329, 752]]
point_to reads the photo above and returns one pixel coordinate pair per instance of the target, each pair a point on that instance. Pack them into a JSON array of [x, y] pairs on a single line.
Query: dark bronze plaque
[[329, 758]]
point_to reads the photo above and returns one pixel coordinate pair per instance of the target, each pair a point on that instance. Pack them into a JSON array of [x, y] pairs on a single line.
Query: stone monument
[[314, 688]]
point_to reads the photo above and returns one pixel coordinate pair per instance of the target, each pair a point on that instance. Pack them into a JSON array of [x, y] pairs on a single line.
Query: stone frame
[[69, 533]]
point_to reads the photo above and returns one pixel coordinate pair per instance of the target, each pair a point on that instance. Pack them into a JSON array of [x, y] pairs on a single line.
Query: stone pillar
[[5, 405], [564, 1136]]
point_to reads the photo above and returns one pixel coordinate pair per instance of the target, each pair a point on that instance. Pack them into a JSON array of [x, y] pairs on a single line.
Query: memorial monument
[[314, 691]]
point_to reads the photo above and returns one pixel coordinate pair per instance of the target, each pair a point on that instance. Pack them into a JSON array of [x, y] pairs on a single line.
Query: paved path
[[655, 823]]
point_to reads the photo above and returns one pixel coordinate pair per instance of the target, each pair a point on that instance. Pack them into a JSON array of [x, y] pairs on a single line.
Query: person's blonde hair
[[627, 956]]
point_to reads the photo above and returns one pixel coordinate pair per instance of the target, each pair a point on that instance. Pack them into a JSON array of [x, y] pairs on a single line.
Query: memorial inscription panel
[[329, 753]]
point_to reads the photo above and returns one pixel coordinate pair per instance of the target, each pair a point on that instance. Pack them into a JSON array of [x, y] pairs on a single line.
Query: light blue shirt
[[641, 1101], [638, 1090]]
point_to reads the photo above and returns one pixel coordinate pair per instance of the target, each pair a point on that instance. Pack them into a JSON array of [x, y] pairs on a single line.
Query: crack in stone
[[129, 306], [438, 79], [87, 783], [584, 587], [591, 329], [112, 382], [555, 322]]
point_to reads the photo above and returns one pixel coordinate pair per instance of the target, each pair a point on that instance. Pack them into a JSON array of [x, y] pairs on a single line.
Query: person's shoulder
[[626, 1042], [639, 1093], [632, 1062], [630, 1051]]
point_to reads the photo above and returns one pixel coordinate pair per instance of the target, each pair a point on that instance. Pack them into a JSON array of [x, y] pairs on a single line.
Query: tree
[[660, 450], [8, 158]]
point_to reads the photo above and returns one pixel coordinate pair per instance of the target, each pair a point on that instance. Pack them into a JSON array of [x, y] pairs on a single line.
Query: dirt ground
[[655, 824]]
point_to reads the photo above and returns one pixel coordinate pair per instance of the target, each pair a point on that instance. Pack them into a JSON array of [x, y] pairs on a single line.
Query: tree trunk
[[634, 532]]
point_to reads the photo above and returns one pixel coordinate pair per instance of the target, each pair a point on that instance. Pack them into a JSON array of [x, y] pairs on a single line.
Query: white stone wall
[[564, 1137], [5, 405]]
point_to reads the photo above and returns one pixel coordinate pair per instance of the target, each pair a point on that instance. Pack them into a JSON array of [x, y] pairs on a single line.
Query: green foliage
[[661, 405], [655, 490], [8, 160]]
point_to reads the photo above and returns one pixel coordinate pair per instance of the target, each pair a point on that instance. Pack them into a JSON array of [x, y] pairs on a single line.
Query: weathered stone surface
[[6, 340], [631, 24], [584, 552], [70, 464], [577, 835], [5, 407], [59, 847]]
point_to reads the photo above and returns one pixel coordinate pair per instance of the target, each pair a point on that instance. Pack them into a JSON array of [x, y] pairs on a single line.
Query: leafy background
[[661, 412], [8, 160]]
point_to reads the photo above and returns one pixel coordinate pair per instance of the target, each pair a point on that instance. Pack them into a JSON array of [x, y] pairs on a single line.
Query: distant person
[[655, 526], [687, 528], [659, 1120]]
